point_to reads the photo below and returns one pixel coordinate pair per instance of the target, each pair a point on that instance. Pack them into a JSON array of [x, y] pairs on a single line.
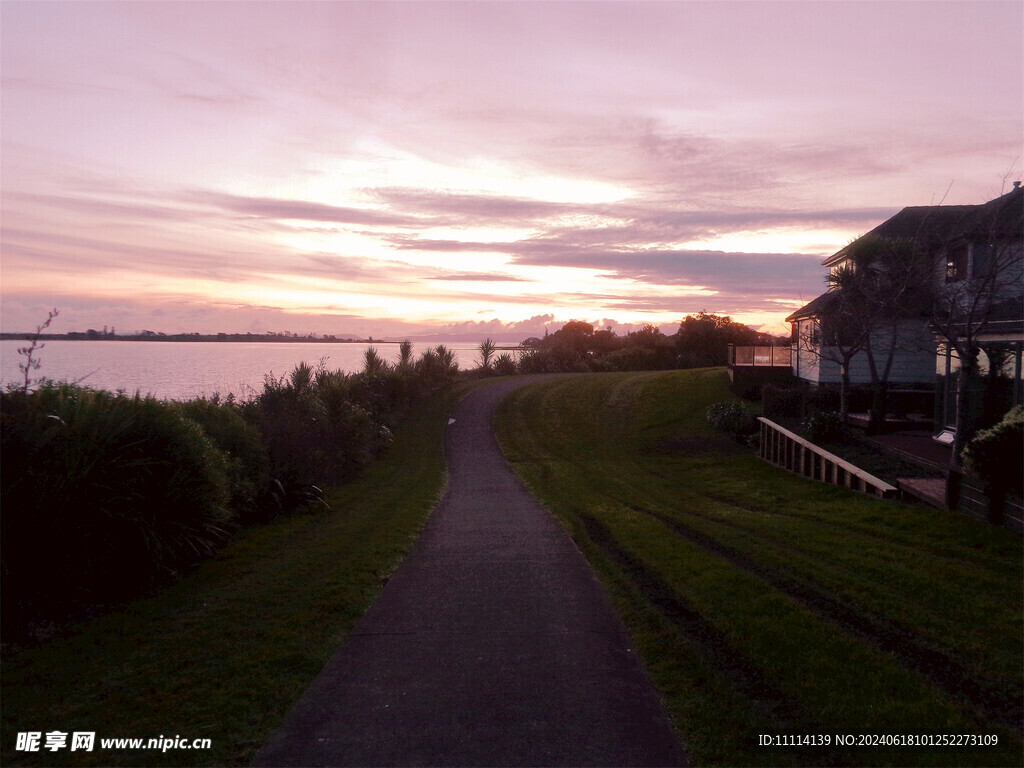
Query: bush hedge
[[732, 416], [245, 455], [822, 426], [782, 402], [102, 495], [105, 494], [997, 453]]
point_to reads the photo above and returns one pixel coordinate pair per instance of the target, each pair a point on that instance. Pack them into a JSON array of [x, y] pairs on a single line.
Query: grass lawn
[[224, 653], [766, 604]]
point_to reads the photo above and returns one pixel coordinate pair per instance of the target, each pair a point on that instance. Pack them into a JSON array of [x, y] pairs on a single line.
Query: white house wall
[[804, 356], [1011, 274], [914, 360]]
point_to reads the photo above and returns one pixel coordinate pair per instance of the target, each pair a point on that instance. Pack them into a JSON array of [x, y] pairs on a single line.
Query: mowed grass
[[225, 652], [766, 604]]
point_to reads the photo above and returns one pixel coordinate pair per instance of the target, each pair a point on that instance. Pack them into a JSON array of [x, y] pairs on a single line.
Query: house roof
[[936, 224], [931, 224], [815, 307], [999, 218]]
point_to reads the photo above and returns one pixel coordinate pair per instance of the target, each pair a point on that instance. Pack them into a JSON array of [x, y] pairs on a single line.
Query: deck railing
[[790, 451], [759, 357]]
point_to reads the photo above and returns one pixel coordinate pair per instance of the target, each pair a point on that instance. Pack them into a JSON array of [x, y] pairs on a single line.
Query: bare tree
[[32, 362], [841, 333]]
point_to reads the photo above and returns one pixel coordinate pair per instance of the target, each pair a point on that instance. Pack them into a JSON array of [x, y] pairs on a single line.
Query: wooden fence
[[790, 451]]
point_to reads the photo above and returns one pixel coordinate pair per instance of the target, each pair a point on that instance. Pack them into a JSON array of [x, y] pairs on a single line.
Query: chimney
[[1016, 185]]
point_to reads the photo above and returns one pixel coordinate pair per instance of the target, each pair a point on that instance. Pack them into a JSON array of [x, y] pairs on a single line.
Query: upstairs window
[[982, 258], [956, 264]]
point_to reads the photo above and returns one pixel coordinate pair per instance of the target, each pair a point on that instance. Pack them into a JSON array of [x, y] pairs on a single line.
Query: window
[[846, 265], [981, 254], [810, 333], [956, 264]]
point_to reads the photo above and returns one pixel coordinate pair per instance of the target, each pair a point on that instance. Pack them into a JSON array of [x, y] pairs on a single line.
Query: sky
[[485, 168]]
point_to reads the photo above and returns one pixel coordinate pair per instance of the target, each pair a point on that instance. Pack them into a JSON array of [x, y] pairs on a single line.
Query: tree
[[841, 333], [658, 349], [879, 293], [703, 339], [567, 349]]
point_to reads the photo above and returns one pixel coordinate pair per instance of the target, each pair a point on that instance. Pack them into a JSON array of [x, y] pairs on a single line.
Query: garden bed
[[862, 452]]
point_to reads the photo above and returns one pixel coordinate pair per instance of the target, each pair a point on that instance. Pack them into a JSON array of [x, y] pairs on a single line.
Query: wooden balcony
[[758, 357]]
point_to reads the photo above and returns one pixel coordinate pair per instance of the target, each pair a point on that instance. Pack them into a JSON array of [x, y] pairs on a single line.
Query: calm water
[[182, 370]]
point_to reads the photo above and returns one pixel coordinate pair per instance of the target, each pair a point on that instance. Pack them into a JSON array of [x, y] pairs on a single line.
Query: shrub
[[373, 363], [292, 421], [102, 493], [997, 453], [826, 399], [505, 364], [487, 350], [322, 428], [822, 426], [731, 416], [247, 462], [632, 359], [781, 402], [535, 361]]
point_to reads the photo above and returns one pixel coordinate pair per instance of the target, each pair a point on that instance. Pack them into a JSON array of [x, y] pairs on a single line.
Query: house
[[961, 268], [819, 362], [981, 272]]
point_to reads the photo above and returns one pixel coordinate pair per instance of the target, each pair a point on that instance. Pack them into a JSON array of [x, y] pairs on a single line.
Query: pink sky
[[390, 169]]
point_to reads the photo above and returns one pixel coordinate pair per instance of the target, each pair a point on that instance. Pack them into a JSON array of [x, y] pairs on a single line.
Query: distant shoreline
[[502, 344], [210, 337]]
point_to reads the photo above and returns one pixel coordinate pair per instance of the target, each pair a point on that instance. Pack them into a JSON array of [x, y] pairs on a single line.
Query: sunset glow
[[415, 168]]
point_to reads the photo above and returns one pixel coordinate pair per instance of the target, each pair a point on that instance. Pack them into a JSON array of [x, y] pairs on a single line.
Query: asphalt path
[[493, 644]]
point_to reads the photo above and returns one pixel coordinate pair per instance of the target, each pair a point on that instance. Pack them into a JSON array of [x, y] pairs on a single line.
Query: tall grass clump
[[103, 494]]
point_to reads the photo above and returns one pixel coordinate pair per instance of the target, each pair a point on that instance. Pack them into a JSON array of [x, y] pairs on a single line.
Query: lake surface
[[183, 370]]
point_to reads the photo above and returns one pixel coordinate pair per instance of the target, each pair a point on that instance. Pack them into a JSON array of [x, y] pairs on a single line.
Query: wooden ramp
[[930, 490]]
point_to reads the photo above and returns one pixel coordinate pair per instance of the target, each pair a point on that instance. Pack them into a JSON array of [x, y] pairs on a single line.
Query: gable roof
[[928, 224], [932, 225], [815, 307], [999, 218]]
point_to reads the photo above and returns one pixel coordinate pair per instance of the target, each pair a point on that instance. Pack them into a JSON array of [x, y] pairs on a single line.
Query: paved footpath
[[493, 644]]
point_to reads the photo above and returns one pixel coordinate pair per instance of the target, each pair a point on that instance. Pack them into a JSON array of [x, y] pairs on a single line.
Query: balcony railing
[[759, 357]]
